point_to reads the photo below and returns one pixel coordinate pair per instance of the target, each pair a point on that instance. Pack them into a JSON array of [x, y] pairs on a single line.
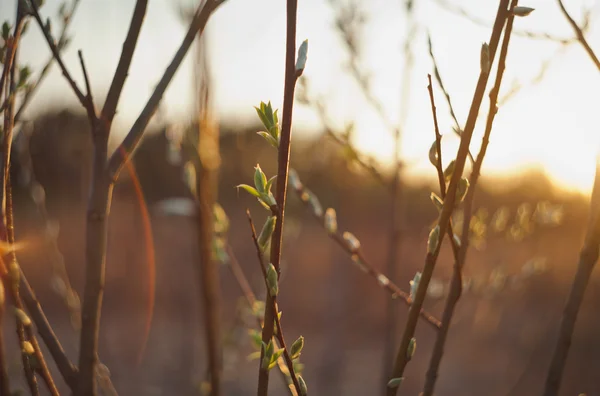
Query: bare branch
[[56, 54], [118, 82], [402, 357], [279, 334], [118, 158], [461, 253], [580, 35], [383, 281]]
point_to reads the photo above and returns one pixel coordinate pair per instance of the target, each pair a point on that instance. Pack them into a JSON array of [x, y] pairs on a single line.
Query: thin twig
[[88, 94], [118, 158], [56, 53], [65, 367], [587, 260], [402, 357], [246, 290], [455, 9], [116, 86], [397, 204], [580, 35], [4, 379], [206, 188], [291, 76], [24, 330], [436, 71], [456, 283], [88, 88], [383, 281], [279, 333], [61, 45]]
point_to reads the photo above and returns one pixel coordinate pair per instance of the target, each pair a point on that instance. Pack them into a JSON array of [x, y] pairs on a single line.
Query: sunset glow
[[552, 124]]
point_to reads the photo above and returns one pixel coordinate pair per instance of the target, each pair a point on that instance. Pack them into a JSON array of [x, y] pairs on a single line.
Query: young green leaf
[[249, 189], [461, 190], [270, 139], [303, 387], [266, 232], [261, 114], [395, 382], [437, 201], [275, 357], [260, 179], [330, 221], [449, 170], [434, 239], [412, 347], [522, 11], [433, 154], [297, 347], [5, 30], [302, 55], [272, 281]]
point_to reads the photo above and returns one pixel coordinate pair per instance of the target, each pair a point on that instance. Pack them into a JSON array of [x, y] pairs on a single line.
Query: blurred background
[[366, 77]]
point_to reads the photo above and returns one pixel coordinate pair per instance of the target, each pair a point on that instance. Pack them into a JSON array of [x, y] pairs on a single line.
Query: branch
[[436, 71], [402, 357], [448, 6], [383, 281], [580, 35], [23, 326], [118, 82], [129, 144], [65, 367], [456, 284], [61, 45], [246, 290], [587, 260], [56, 54], [279, 334], [4, 379], [283, 160]]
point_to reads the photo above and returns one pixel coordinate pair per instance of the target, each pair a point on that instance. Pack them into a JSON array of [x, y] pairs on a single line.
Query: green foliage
[[296, 349], [271, 122], [272, 280]]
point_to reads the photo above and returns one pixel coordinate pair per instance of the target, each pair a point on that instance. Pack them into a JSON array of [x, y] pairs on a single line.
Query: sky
[[552, 125]]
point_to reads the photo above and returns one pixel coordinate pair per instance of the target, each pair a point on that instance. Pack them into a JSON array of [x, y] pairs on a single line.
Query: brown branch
[[438, 77], [279, 334], [206, 188], [129, 144], [4, 379], [383, 281], [240, 278], [56, 53], [246, 290], [444, 220], [61, 44], [448, 6], [88, 88], [65, 367], [24, 330], [587, 260], [116, 86], [291, 76], [456, 284], [580, 35], [91, 108]]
